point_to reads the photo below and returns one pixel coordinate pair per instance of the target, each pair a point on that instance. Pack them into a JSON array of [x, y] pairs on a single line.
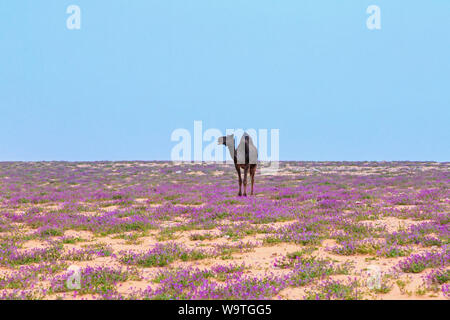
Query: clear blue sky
[[137, 70]]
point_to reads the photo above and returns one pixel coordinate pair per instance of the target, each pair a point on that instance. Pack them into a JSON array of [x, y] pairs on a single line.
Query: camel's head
[[225, 139]]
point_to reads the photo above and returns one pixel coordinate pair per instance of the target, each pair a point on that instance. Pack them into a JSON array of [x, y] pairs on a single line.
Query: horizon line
[[217, 162]]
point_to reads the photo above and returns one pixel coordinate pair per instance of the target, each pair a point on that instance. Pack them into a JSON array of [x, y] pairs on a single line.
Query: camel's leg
[[245, 180], [240, 180], [252, 175]]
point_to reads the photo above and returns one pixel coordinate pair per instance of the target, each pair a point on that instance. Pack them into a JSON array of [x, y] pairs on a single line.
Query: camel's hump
[[246, 135], [252, 156]]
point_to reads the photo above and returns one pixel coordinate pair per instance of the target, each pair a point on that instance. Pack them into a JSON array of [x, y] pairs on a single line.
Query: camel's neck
[[232, 150]]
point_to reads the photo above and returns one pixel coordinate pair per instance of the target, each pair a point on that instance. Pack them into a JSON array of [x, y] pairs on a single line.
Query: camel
[[245, 157]]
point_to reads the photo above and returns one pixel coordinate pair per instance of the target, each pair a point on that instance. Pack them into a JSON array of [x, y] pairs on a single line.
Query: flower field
[[155, 230]]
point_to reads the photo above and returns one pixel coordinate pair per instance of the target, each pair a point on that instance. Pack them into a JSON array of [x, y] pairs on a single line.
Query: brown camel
[[245, 157]]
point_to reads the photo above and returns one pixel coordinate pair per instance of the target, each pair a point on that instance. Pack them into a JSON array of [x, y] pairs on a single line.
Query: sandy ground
[[259, 261]]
